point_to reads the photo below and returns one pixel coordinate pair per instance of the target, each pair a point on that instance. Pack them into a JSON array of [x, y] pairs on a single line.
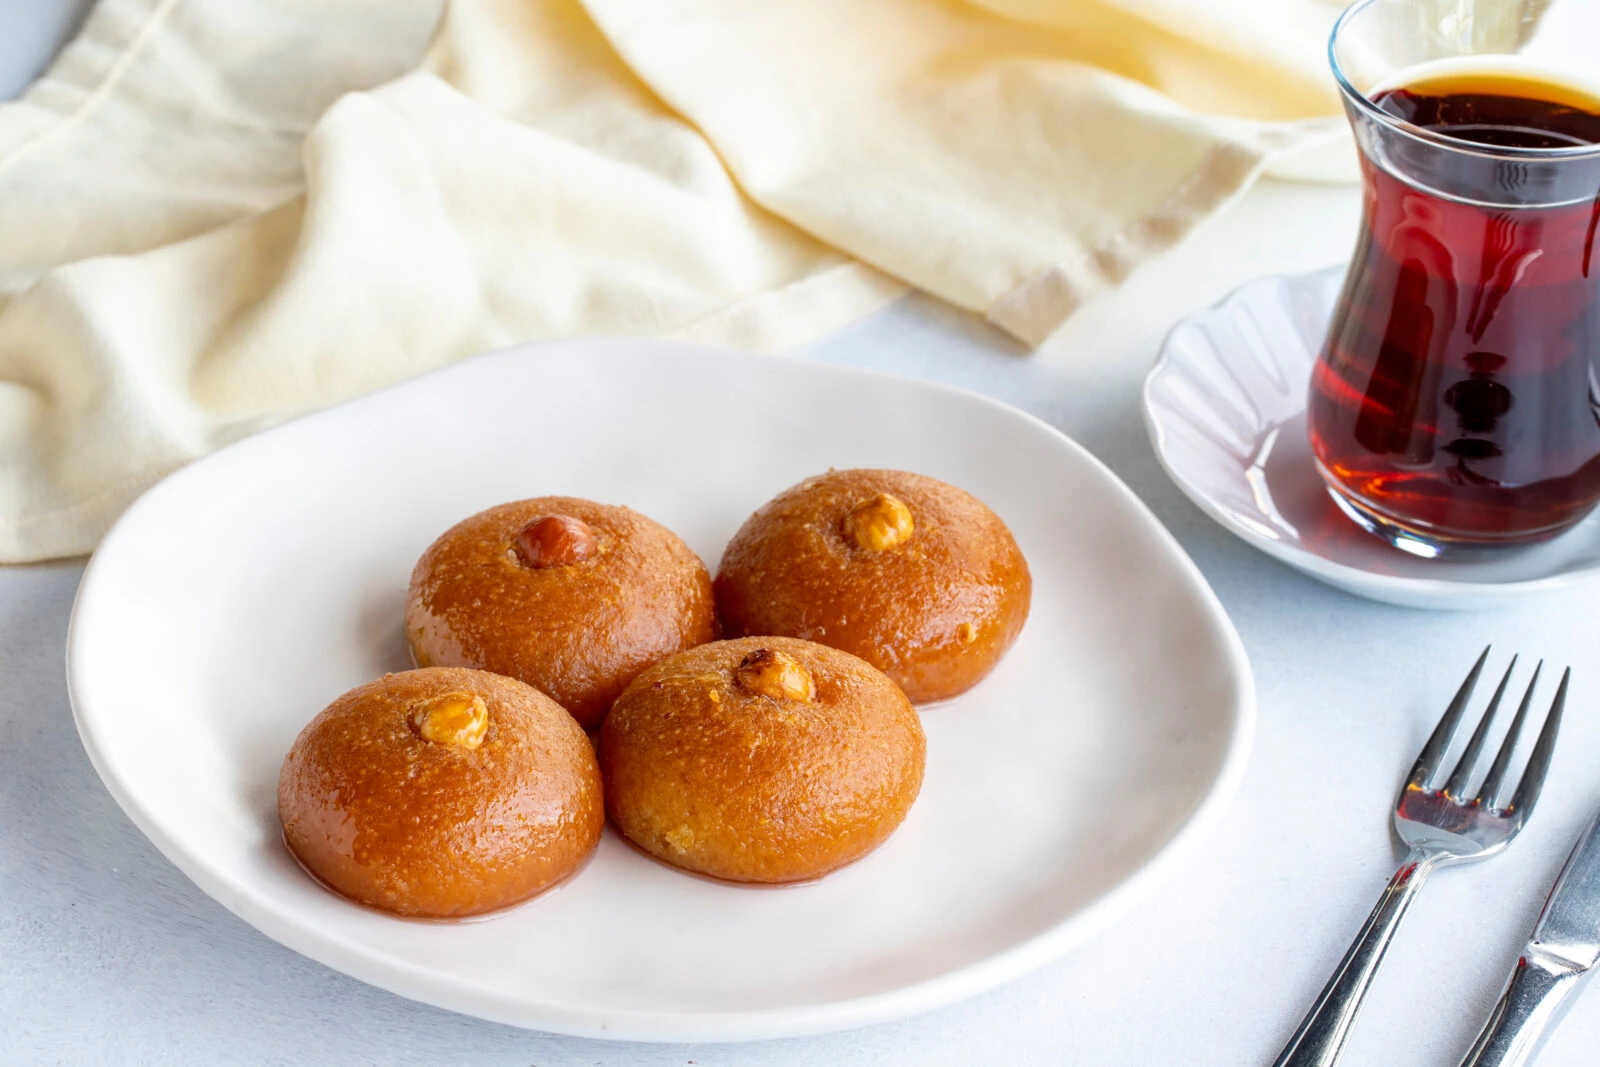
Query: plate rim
[[422, 984], [1430, 593]]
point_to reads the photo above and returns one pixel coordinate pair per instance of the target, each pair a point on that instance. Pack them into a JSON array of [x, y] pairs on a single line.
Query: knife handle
[[1535, 999]]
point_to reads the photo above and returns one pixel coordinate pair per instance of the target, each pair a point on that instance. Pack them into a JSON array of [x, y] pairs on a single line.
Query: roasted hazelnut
[[556, 541], [879, 524], [775, 674], [452, 719]]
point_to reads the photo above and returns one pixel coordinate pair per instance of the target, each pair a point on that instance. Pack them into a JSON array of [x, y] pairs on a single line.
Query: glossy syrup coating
[[579, 631], [476, 821], [928, 586], [753, 775]]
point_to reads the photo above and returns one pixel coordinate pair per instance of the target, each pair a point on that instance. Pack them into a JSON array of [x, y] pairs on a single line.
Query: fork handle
[[1536, 997], [1323, 1031]]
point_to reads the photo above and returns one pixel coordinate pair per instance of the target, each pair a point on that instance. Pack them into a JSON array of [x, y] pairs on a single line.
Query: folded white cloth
[[215, 214]]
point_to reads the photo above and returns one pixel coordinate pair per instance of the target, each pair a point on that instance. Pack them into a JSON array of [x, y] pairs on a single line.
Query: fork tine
[[1527, 793], [1433, 752], [1502, 760], [1457, 785]]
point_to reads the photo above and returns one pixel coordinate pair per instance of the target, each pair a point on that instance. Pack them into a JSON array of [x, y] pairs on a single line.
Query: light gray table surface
[[109, 955]]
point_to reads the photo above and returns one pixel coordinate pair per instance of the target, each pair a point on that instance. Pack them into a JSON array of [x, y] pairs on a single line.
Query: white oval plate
[[1226, 409], [238, 597]]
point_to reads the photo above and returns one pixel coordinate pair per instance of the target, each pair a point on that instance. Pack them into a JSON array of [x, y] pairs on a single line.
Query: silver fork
[[1440, 827]]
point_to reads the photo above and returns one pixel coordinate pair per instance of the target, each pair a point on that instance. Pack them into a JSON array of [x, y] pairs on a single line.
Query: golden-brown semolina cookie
[[761, 760], [573, 597], [916, 577], [441, 793]]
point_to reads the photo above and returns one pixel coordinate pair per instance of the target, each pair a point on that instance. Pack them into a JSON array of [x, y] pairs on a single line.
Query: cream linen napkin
[[215, 214]]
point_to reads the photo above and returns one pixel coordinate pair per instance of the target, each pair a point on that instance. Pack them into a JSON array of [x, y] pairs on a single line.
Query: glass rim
[[1427, 136]]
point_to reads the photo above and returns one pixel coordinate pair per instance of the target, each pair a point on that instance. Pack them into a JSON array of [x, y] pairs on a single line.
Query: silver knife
[[1564, 946]]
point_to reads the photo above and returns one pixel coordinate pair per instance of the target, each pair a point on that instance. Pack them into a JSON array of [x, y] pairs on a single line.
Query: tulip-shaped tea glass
[[1455, 404]]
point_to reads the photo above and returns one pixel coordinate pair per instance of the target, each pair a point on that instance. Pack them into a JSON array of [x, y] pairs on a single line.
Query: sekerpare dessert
[[765, 759], [573, 597], [916, 577], [441, 793]]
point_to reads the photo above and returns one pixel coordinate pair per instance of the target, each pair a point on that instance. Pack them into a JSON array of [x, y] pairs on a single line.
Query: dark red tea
[[1459, 392]]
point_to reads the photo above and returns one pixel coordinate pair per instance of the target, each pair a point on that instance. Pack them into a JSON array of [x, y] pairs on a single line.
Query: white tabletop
[[109, 955]]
